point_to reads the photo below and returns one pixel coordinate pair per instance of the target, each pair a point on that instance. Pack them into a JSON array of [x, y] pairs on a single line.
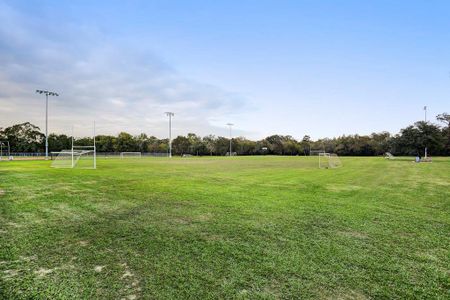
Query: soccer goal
[[389, 155], [329, 161], [80, 156], [130, 155], [3, 147]]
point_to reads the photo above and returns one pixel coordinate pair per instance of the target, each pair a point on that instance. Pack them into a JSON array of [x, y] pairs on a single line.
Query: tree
[[180, 145], [24, 137], [222, 146], [141, 142], [196, 146], [275, 144], [413, 139], [105, 143], [59, 142], [305, 144], [125, 142], [210, 143], [444, 118]]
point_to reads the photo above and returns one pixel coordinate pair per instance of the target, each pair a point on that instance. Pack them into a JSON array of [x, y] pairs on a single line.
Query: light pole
[[425, 110], [170, 115], [230, 124], [47, 93]]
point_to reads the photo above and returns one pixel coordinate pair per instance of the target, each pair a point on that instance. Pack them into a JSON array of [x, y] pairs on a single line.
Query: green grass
[[240, 227]]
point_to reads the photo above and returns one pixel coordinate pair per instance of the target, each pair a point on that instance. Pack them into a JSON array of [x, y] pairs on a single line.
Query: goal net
[[389, 155], [75, 158], [130, 155], [329, 161]]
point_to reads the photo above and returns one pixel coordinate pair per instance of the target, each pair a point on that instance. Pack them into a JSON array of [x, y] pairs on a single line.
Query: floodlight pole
[[47, 93], [170, 115], [230, 125], [95, 151], [425, 109]]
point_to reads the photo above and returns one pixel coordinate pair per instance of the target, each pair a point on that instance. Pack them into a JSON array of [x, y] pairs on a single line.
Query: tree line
[[412, 140]]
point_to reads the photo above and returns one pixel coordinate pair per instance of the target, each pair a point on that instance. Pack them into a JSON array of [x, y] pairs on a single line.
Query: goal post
[[130, 155], [79, 156], [4, 145], [329, 161], [74, 158]]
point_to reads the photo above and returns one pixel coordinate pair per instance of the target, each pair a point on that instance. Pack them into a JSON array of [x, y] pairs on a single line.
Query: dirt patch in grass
[[43, 272], [2, 192], [15, 225], [10, 273], [132, 287], [83, 243], [98, 269], [181, 221], [212, 237]]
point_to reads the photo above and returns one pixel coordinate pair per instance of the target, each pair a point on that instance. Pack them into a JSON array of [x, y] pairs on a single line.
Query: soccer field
[[229, 227]]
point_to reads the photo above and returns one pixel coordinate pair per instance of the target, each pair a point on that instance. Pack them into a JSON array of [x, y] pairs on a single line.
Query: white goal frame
[[329, 161], [76, 153], [389, 155], [130, 155]]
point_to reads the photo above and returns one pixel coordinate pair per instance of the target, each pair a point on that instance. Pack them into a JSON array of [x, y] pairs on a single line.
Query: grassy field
[[240, 227]]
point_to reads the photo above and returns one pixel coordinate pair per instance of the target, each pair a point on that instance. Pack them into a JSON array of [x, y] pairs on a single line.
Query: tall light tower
[[47, 93], [230, 125], [425, 110], [170, 115]]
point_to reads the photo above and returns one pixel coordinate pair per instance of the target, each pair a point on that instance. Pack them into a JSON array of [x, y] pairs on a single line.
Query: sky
[[322, 68]]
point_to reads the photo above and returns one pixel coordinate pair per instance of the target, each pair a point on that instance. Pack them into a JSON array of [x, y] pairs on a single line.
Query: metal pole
[[230, 124], [230, 140], [170, 136], [47, 93], [425, 109], [95, 151], [170, 115], [72, 146], [46, 126]]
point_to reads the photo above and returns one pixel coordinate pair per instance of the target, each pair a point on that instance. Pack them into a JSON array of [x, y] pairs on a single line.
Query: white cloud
[[124, 87]]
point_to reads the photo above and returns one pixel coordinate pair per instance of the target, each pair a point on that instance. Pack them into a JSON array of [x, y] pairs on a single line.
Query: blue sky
[[323, 68]]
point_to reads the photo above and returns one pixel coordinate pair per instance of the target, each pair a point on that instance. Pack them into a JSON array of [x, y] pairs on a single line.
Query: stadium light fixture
[[47, 93], [170, 115], [230, 125]]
